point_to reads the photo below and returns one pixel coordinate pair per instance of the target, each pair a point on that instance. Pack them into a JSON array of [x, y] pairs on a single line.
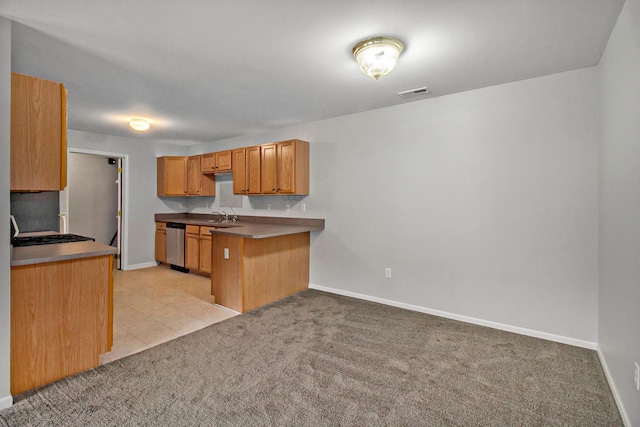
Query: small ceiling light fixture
[[140, 124], [377, 56]]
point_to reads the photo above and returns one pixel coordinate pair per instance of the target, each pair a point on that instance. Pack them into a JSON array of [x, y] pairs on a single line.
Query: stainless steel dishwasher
[[175, 245]]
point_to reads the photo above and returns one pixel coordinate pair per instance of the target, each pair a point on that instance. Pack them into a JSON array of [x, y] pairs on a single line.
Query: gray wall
[[92, 196], [619, 299], [483, 203], [5, 275]]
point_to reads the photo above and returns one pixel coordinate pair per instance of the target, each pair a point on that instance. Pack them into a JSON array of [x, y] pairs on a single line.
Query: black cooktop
[[48, 239]]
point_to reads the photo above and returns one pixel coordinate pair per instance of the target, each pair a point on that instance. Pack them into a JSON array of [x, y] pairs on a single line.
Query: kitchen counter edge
[[251, 227], [29, 255]]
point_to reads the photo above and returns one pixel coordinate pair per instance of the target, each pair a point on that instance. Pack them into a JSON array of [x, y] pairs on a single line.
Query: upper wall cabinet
[[172, 176], [246, 170], [182, 176], [219, 162], [277, 168], [194, 175], [38, 134], [285, 168]]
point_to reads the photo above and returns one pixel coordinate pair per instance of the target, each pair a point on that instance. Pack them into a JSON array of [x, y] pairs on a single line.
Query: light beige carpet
[[316, 359]]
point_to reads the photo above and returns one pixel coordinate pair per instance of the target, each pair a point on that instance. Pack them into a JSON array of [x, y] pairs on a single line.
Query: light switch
[[226, 253]]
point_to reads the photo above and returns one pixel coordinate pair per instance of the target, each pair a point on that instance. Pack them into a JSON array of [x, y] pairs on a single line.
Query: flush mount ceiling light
[[140, 124], [377, 56]]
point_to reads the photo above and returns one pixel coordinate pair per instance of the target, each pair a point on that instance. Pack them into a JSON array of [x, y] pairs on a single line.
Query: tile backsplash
[[36, 211]]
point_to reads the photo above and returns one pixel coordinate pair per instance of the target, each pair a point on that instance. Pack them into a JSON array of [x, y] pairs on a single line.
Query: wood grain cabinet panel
[[269, 168], [205, 250], [285, 168], [293, 167], [224, 161], [258, 271], [161, 242], [194, 175], [172, 176], [209, 163], [38, 134], [61, 319], [246, 170], [192, 248]]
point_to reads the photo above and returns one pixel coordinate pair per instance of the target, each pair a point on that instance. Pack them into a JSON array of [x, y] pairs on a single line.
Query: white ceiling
[[205, 70]]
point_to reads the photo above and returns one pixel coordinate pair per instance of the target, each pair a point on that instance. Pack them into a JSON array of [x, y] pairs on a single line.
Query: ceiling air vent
[[414, 92]]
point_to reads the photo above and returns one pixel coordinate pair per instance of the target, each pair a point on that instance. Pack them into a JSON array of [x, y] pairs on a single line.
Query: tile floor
[[153, 305]]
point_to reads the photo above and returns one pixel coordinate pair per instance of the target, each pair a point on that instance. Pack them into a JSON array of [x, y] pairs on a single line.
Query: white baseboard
[[143, 265], [481, 322], [6, 402], [614, 390]]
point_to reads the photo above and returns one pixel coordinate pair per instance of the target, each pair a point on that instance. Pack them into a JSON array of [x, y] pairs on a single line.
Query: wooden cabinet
[[223, 161], [209, 163], [246, 170], [194, 176], [38, 134], [258, 271], [219, 162], [61, 319], [172, 176], [285, 168], [205, 250], [182, 176], [197, 249], [277, 168], [161, 242], [192, 248], [268, 169]]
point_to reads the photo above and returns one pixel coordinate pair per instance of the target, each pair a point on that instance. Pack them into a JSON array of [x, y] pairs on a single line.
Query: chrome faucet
[[235, 217], [225, 216], [220, 216]]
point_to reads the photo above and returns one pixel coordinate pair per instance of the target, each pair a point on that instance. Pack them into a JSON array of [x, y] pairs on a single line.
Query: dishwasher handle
[[176, 225]]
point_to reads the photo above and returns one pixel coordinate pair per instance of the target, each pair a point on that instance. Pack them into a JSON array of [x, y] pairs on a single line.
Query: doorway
[[93, 202]]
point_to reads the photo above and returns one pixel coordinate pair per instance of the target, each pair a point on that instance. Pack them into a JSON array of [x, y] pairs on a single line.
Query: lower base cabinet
[[61, 319], [198, 249], [161, 242], [258, 271]]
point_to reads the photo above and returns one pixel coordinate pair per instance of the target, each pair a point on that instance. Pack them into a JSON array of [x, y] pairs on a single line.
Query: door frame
[[124, 235]]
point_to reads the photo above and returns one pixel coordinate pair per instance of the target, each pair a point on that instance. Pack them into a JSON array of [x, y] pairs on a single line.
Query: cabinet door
[[205, 253], [172, 176], [286, 159], [38, 134], [293, 167], [223, 161], [161, 246], [253, 170], [239, 171], [269, 169], [192, 251], [208, 162], [194, 176]]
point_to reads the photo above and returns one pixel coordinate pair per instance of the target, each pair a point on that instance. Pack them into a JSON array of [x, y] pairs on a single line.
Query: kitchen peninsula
[[256, 260], [61, 311]]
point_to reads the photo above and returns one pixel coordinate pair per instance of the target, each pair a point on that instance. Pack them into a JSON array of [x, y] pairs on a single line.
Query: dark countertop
[[251, 227], [28, 255]]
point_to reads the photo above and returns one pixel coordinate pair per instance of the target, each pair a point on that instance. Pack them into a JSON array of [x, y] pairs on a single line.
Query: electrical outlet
[[387, 273], [226, 253], [268, 206], [287, 207], [303, 207], [636, 376]]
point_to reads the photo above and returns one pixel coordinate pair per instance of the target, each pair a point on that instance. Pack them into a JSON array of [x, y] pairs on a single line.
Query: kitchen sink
[[216, 224]]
